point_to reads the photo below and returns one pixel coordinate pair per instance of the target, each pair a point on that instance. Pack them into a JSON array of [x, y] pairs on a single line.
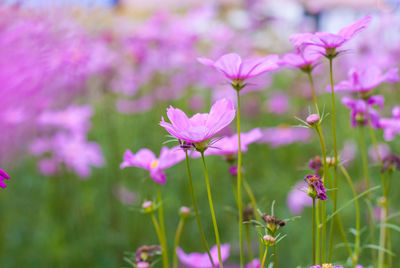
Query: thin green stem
[[356, 254], [364, 157], [177, 239], [255, 209], [239, 183], [318, 248], [162, 227], [314, 94], [264, 257], [325, 179], [336, 160], [160, 238], [248, 238], [214, 220], [196, 210], [313, 231], [275, 257]]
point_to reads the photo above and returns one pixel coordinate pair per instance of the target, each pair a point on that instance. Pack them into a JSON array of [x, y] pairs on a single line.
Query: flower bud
[[233, 170], [268, 240], [248, 214], [312, 119], [148, 207], [184, 211]]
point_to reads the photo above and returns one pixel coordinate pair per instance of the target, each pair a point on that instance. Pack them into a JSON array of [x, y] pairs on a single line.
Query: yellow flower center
[[154, 163], [327, 265]]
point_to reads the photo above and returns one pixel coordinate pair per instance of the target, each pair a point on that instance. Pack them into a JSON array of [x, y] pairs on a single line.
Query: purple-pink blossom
[[3, 176], [366, 79], [147, 160], [297, 199], [330, 41], [199, 127], [391, 126], [304, 58], [201, 260], [229, 145], [237, 70], [362, 112], [316, 187], [284, 135], [253, 264]]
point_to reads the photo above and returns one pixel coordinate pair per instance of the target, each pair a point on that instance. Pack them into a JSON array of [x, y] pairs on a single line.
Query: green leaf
[[380, 249]]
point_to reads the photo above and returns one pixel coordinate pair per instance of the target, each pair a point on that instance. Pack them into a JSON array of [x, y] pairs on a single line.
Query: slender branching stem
[[177, 239], [196, 210], [264, 257], [210, 201], [313, 231], [160, 238], [162, 227]]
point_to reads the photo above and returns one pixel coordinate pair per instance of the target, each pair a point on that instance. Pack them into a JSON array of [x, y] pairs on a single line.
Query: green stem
[[264, 257], [196, 210], [214, 220], [160, 238], [326, 180], [384, 214], [314, 95], [318, 248], [367, 184], [313, 231], [255, 209], [239, 183], [334, 195], [177, 238], [248, 238], [275, 257], [162, 227], [358, 220]]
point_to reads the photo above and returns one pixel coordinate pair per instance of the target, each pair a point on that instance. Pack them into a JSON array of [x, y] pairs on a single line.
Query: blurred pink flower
[[383, 150], [201, 260], [236, 69], [3, 176], [361, 111], [199, 127], [253, 264], [278, 103], [284, 135], [391, 126], [305, 58], [229, 145], [330, 40], [297, 198], [146, 159], [366, 79], [124, 195]]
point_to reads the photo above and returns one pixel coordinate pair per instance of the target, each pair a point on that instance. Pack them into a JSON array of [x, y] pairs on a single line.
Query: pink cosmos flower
[[284, 135], [278, 103], [329, 40], [391, 126], [361, 80], [229, 145], [361, 111], [383, 150], [318, 266], [253, 264], [199, 127], [305, 58], [146, 159], [297, 199], [234, 68], [201, 260], [3, 176]]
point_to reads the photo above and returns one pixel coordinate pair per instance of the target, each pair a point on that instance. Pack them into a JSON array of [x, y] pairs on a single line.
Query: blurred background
[[83, 81]]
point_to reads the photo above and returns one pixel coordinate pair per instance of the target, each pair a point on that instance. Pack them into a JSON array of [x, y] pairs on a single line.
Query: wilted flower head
[[361, 110], [273, 224], [329, 41], [391, 126], [366, 79], [297, 199], [316, 187], [146, 159], [146, 254], [3, 176], [201, 260], [391, 162], [315, 164], [200, 127], [238, 70]]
